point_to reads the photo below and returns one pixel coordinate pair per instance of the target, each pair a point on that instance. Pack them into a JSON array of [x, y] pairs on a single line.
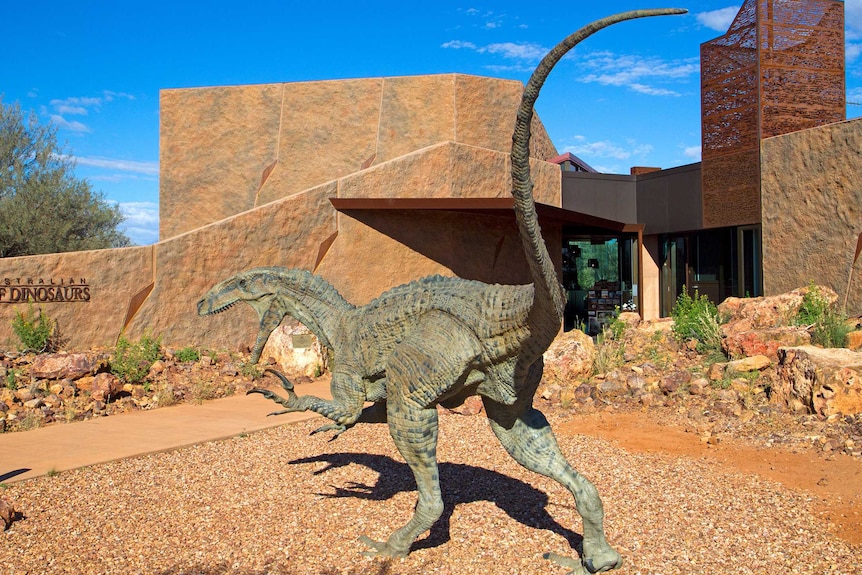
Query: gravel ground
[[280, 502]]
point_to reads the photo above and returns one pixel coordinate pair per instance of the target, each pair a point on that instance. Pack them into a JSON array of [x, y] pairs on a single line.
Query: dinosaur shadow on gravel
[[519, 500]]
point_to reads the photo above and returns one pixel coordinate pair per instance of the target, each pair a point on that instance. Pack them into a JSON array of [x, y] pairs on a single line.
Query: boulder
[[764, 341], [746, 314], [296, 351], [825, 381], [105, 386], [67, 365], [7, 513], [854, 340], [569, 358], [747, 364]]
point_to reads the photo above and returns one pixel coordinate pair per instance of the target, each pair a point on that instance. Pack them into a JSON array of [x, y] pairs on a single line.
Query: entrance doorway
[[716, 263], [600, 275]]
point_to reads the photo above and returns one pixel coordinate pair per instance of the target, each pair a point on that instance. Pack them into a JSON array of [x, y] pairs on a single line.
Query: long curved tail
[[549, 299]]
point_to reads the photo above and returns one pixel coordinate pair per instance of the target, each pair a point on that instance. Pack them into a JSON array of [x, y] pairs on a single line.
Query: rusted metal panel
[[778, 69]]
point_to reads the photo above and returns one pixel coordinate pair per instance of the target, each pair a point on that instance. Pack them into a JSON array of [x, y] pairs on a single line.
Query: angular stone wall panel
[[415, 112], [188, 265], [812, 209], [111, 278], [329, 130], [486, 109], [214, 145]]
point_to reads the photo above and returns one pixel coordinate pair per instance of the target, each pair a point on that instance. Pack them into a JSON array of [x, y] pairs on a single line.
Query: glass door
[[749, 261], [674, 271]]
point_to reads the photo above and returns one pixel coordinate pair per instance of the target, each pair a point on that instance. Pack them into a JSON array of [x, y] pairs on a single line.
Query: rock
[[854, 340], [105, 386], [34, 403], [764, 341], [67, 365], [569, 358], [24, 394], [674, 380], [630, 318], [7, 513], [636, 382], [157, 368], [716, 371], [611, 387], [746, 314], [747, 364], [295, 350], [698, 386], [472, 406], [825, 381], [54, 401]]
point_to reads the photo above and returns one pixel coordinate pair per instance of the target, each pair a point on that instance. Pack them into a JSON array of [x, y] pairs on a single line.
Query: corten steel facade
[[778, 69]]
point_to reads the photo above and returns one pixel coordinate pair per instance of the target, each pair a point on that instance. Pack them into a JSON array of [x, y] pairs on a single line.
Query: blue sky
[[628, 96]]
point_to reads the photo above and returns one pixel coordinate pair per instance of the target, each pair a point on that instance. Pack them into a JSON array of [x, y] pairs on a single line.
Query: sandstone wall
[[362, 253], [89, 294], [224, 150], [812, 209]]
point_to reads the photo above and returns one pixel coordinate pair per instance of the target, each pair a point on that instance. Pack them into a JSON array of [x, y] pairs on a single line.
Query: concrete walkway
[[63, 446]]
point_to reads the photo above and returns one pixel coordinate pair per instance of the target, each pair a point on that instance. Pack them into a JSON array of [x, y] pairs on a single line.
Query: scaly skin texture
[[437, 341]]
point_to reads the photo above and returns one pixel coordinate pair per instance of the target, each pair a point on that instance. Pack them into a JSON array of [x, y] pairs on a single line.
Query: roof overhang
[[490, 206]]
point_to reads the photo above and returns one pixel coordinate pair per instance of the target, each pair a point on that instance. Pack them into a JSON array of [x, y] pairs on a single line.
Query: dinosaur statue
[[439, 340]]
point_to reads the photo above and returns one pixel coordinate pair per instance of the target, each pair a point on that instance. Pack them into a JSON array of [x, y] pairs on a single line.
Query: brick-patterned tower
[[778, 69]]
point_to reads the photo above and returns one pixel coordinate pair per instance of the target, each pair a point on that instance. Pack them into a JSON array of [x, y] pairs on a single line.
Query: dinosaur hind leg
[[429, 363], [529, 440]]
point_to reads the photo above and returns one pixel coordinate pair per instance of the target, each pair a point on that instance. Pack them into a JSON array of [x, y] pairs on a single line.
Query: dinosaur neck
[[549, 299], [314, 302]]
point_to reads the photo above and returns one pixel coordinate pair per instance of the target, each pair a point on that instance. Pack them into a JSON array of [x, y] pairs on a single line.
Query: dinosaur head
[[253, 287]]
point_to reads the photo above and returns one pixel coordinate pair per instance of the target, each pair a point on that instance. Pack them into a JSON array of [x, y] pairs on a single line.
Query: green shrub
[[827, 326], [610, 347], [188, 354], [33, 329], [131, 362], [12, 379], [697, 318]]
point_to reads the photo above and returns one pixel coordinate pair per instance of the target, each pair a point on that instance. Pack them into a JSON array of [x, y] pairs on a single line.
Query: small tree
[[44, 208]]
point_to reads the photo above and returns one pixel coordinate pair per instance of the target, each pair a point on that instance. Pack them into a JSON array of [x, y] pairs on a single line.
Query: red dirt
[[835, 482]]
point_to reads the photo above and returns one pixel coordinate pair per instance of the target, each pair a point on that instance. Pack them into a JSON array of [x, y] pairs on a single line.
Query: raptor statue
[[436, 341]]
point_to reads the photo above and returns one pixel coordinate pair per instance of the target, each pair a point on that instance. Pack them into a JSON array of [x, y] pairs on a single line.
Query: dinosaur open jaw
[[211, 311]]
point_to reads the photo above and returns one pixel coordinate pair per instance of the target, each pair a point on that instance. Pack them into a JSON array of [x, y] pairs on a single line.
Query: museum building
[[374, 182]]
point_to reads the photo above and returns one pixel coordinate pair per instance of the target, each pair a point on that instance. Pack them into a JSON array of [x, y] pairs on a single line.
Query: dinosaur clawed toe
[[338, 428], [586, 567], [380, 549]]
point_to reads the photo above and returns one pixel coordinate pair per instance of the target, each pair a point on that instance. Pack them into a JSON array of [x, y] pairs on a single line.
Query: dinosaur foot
[[379, 549], [605, 561]]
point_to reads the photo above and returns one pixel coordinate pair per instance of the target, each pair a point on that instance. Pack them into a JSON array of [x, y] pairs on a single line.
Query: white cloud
[[80, 106], [142, 221], [510, 50], [632, 71], [140, 213], [607, 149], [145, 168], [458, 44], [853, 18], [69, 109], [852, 51], [719, 20], [693, 152], [65, 124], [515, 51]]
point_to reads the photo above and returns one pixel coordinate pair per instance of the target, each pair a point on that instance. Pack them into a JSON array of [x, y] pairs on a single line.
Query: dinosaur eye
[[243, 283]]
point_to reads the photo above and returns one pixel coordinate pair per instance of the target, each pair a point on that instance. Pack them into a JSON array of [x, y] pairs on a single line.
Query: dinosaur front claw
[[338, 428], [379, 549]]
